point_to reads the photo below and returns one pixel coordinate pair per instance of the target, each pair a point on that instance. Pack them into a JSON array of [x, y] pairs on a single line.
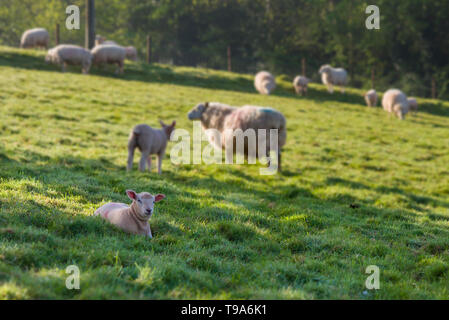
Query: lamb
[[227, 120], [333, 77], [35, 38], [149, 141], [66, 54], [413, 104], [300, 84], [371, 98], [132, 219], [102, 40], [264, 82], [111, 54], [395, 101], [131, 53]]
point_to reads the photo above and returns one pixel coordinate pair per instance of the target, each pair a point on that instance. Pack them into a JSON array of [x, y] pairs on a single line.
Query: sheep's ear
[[173, 124], [159, 197], [162, 123], [206, 105], [131, 194]]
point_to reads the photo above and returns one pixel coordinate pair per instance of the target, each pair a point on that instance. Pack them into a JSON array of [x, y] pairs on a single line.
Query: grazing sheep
[[66, 54], [333, 77], [371, 98], [227, 120], [132, 219], [131, 53], [300, 84], [149, 141], [395, 101], [412, 104], [110, 54], [264, 82], [35, 38]]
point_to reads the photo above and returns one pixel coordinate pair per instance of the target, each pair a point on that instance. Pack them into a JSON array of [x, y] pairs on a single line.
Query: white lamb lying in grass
[[333, 77], [132, 219]]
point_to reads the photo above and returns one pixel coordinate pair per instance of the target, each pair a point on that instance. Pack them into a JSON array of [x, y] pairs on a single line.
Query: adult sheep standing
[[395, 102], [110, 54], [227, 120], [371, 98], [300, 84], [66, 54], [264, 82], [35, 38], [333, 77]]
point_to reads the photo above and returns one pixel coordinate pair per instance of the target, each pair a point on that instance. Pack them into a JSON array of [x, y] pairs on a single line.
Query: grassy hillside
[[359, 188]]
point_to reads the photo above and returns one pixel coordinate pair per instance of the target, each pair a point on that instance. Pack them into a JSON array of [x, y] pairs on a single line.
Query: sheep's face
[[197, 112], [325, 69], [168, 129], [143, 203]]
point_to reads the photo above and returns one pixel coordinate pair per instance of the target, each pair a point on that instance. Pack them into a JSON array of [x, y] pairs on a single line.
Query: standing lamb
[[333, 77], [149, 141], [66, 54], [395, 101], [371, 98], [35, 38], [131, 53], [264, 82], [110, 54], [300, 84], [227, 120], [132, 219]]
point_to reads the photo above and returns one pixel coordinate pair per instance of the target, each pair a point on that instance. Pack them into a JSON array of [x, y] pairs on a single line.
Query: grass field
[[359, 188]]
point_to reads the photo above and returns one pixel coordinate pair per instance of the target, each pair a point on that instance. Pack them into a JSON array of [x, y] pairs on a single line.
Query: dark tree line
[[411, 47]]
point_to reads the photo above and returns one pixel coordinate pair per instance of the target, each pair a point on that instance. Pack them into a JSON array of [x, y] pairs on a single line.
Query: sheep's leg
[[331, 88], [130, 157], [343, 89], [143, 160], [149, 163], [64, 66], [159, 162]]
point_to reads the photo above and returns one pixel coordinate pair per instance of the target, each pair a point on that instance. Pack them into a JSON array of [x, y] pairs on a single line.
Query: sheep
[[371, 98], [131, 53], [264, 82], [149, 141], [111, 54], [413, 104], [132, 219], [395, 101], [227, 119], [35, 38], [66, 54], [99, 39], [333, 77], [300, 84]]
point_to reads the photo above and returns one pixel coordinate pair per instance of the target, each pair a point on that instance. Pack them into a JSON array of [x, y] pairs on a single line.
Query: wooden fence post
[[57, 39], [90, 24], [229, 59], [303, 64], [149, 49], [372, 78]]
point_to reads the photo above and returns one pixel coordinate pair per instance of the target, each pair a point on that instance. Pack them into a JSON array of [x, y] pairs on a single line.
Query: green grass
[[359, 188]]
